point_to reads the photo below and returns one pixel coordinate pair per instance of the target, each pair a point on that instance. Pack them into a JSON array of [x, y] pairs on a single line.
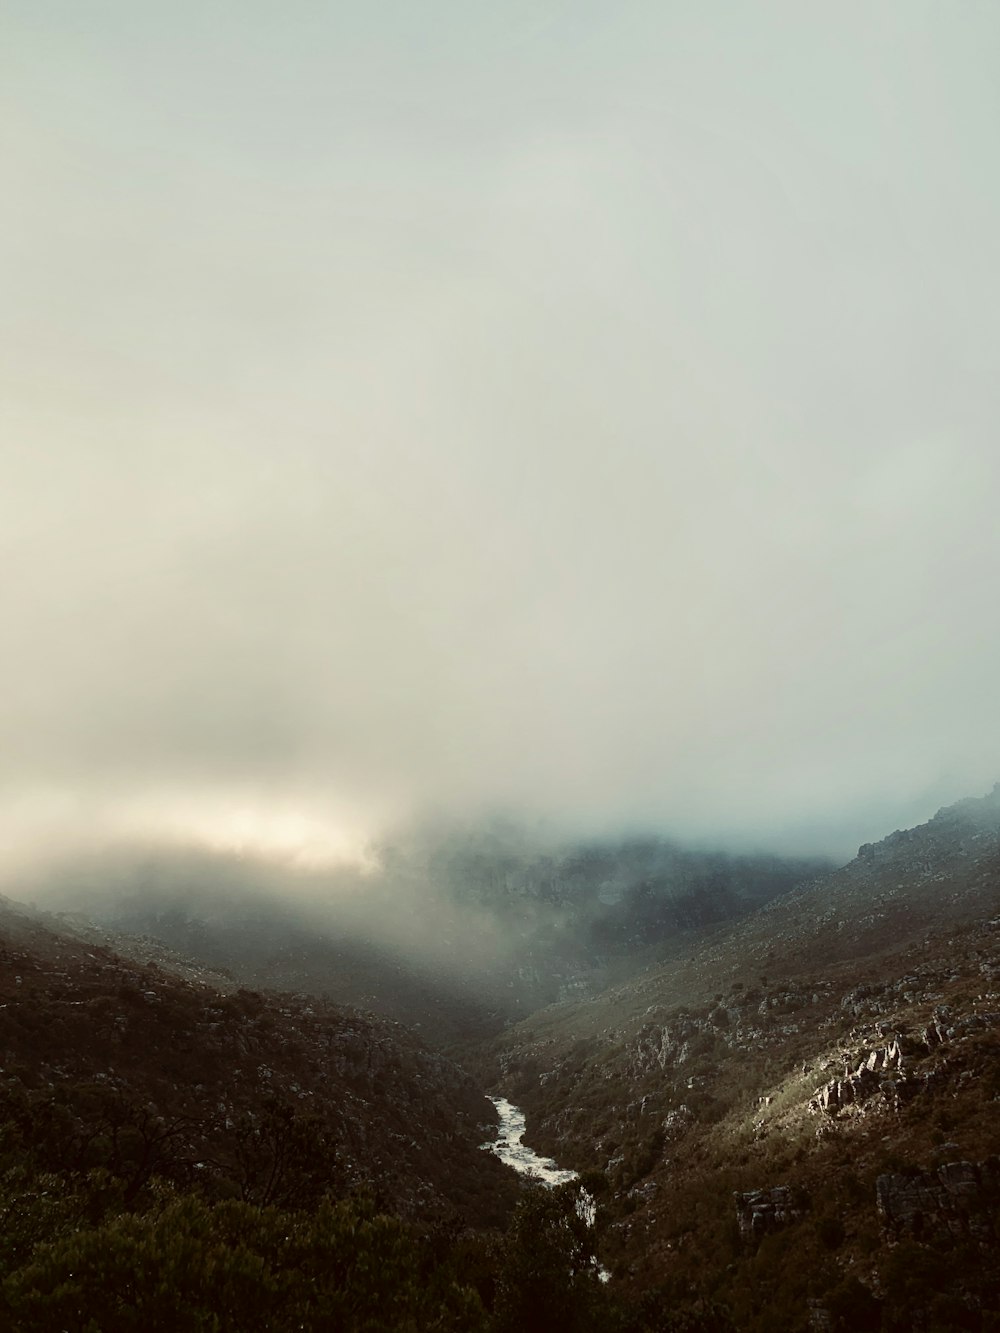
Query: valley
[[784, 1103]]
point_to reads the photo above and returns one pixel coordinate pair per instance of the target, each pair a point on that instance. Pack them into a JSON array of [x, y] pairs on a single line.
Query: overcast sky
[[582, 408]]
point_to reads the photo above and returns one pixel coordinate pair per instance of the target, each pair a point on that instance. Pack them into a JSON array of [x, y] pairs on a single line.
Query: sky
[[582, 410]]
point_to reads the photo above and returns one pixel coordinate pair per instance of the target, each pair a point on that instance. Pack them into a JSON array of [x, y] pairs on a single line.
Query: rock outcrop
[[956, 1201], [764, 1210], [869, 1078]]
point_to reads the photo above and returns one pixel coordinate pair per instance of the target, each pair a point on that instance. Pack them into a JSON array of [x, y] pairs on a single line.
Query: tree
[[234, 1268], [548, 1269]]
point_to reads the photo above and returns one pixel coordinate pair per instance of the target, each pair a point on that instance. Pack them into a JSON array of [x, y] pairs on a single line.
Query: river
[[509, 1148]]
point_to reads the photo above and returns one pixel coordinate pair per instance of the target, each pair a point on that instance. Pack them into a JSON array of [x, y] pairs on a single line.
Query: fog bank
[[586, 415]]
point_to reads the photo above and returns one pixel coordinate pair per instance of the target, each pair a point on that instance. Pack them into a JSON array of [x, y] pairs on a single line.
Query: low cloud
[[591, 421]]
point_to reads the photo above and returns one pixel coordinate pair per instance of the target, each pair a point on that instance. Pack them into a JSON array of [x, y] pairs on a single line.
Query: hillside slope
[[112, 1063], [805, 1109]]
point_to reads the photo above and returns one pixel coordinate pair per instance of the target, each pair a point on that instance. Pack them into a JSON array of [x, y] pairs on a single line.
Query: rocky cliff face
[[764, 1210], [953, 1202]]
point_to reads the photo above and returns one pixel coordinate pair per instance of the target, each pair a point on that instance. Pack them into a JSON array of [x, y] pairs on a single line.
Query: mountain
[[798, 1120], [118, 1064], [177, 1156]]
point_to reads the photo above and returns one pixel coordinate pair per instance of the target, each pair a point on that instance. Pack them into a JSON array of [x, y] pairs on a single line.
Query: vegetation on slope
[[811, 1134], [173, 1157], [792, 1126]]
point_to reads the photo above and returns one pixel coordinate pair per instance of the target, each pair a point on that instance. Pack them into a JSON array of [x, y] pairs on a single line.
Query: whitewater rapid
[[509, 1148]]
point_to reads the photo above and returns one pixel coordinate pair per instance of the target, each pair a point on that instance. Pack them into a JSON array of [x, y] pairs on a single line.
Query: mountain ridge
[[843, 1035]]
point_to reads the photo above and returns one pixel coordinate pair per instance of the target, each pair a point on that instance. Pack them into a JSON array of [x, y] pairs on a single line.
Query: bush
[[234, 1268]]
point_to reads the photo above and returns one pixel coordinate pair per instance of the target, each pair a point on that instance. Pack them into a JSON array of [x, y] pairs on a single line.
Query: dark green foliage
[[74, 1257], [548, 1273], [188, 1265]]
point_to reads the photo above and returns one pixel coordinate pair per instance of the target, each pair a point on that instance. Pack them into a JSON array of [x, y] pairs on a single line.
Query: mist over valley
[[499, 565], [446, 925]]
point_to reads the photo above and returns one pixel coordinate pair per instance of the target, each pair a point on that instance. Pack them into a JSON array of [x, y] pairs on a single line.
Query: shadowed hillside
[[112, 1063]]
